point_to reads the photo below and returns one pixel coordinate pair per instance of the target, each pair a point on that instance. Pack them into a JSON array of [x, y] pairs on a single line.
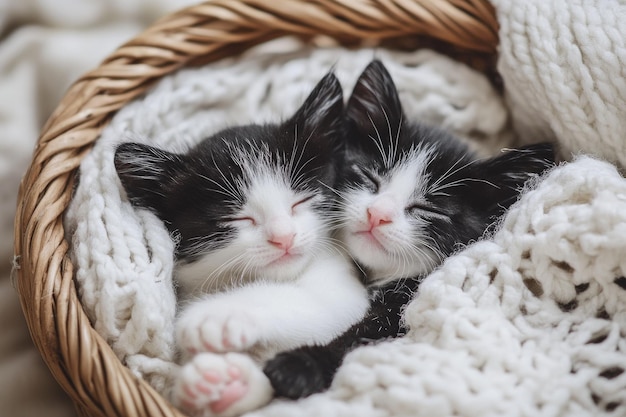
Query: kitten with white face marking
[[387, 220], [409, 195], [255, 261]]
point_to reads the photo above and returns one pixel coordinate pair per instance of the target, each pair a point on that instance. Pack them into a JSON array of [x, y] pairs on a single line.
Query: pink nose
[[378, 216], [282, 241]]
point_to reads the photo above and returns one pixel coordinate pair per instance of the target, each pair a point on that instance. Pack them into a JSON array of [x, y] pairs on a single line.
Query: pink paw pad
[[232, 392], [189, 392], [212, 384], [209, 347], [212, 377], [234, 373]]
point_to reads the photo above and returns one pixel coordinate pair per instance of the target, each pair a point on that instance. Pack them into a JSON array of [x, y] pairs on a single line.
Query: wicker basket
[[80, 360]]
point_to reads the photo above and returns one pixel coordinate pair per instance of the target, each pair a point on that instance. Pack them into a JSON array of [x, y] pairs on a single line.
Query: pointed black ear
[[499, 180], [374, 107], [146, 173], [318, 122]]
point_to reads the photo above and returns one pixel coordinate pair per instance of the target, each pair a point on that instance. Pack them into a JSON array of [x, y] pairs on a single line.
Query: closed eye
[[374, 182], [248, 219], [300, 202], [427, 210]]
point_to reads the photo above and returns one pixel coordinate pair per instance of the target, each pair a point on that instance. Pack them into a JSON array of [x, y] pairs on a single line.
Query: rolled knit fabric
[[563, 63]]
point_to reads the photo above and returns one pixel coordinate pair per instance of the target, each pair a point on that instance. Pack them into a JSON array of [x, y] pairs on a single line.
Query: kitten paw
[[221, 385], [218, 331], [302, 372]]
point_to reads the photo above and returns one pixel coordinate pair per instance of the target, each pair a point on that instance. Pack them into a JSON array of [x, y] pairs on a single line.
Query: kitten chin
[[371, 252]]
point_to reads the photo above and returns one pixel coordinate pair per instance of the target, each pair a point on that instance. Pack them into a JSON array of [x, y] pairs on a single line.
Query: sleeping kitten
[[249, 210], [409, 196]]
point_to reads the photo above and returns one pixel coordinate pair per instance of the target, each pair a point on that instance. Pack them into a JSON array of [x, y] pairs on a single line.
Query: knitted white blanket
[[529, 322]]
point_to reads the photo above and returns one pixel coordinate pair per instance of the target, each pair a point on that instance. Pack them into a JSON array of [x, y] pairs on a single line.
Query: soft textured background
[[44, 46]]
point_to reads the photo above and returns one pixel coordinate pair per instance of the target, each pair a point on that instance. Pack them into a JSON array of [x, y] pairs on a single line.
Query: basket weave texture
[[80, 360]]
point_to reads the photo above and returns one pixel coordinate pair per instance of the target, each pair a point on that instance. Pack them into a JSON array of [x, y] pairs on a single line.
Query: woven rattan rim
[[79, 359]]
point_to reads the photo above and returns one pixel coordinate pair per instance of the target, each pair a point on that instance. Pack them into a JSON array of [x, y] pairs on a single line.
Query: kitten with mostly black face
[[249, 208], [409, 196]]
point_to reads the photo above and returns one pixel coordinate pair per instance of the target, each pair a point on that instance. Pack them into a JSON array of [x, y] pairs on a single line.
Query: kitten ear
[[318, 122], [146, 173], [501, 178], [374, 107]]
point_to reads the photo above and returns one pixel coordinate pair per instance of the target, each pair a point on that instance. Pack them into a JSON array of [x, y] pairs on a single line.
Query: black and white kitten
[[409, 196], [249, 209]]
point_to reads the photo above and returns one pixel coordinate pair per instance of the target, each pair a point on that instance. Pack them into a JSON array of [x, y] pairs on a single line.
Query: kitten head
[[412, 193], [248, 202]]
